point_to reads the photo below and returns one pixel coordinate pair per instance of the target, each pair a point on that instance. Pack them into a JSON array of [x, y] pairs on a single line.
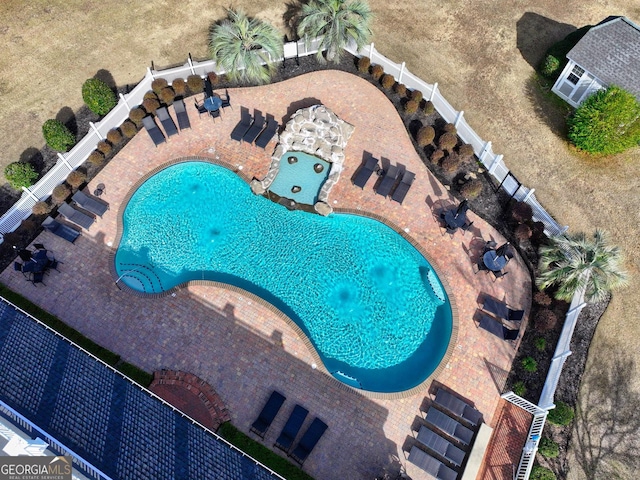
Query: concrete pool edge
[[423, 386]]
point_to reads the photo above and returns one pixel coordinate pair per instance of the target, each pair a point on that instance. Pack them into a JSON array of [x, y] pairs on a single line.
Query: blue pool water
[[369, 302], [301, 173]]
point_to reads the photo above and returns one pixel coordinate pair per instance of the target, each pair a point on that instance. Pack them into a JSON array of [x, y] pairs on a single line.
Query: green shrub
[[544, 320], [60, 193], [472, 189], [450, 128], [114, 136], [400, 89], [104, 147], [521, 212], [451, 163], [447, 141], [542, 299], [465, 151], [76, 178], [377, 71], [57, 135], [128, 129], [607, 122], [136, 115], [550, 66], [562, 415], [416, 95], [387, 81], [411, 107], [98, 96], [425, 136], [179, 87], [541, 473], [429, 108], [548, 448], [150, 105], [519, 388], [529, 364], [541, 344], [20, 174], [158, 84], [560, 49], [523, 232], [363, 64], [167, 95], [436, 156], [41, 208], [195, 83], [96, 158]]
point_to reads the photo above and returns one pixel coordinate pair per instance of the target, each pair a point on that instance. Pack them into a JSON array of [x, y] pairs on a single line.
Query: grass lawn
[[482, 53]]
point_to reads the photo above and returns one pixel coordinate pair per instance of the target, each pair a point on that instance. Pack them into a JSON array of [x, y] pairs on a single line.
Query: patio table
[[212, 103], [494, 262], [454, 221]]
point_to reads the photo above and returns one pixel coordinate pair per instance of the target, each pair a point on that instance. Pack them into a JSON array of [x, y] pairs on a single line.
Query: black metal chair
[[200, 108], [214, 114], [498, 274], [465, 228], [36, 277], [38, 246], [226, 100], [17, 266]]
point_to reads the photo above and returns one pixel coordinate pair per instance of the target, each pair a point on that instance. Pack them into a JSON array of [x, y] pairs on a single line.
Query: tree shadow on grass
[[605, 439], [548, 107], [536, 33]]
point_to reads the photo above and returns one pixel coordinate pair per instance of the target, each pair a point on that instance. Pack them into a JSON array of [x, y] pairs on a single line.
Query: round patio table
[[453, 221], [494, 262], [212, 103]]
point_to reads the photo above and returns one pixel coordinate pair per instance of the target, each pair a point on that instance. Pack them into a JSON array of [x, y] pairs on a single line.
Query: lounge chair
[[153, 130], [267, 134], [449, 426], [441, 446], [167, 122], [90, 204], [243, 125], [492, 325], [291, 428], [501, 310], [75, 216], [432, 466], [268, 413], [308, 440], [255, 129], [458, 407], [365, 172], [403, 187], [181, 114], [61, 230], [388, 181]]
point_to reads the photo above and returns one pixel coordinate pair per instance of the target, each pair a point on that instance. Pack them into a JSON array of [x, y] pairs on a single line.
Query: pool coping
[[319, 365]]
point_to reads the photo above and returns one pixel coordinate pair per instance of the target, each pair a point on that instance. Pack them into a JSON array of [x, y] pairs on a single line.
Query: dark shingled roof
[[111, 422], [611, 52]]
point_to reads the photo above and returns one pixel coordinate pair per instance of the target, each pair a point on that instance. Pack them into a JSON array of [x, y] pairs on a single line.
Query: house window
[[576, 73]]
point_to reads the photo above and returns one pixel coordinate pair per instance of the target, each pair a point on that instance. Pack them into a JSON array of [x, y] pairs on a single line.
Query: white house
[[608, 54]]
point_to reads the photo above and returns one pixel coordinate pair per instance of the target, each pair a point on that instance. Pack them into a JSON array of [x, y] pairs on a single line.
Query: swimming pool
[[367, 300], [300, 177]]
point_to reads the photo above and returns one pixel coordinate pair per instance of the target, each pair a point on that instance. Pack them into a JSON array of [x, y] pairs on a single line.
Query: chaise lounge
[[153, 130], [449, 426], [256, 127], [495, 327], [181, 114], [291, 428], [167, 122], [501, 310], [388, 181], [90, 204], [458, 407], [243, 125], [268, 413], [440, 445], [432, 466], [61, 230], [309, 440], [365, 172], [403, 187], [75, 216], [267, 134]]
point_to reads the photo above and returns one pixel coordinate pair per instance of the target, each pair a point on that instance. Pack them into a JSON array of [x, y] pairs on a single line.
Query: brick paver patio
[[236, 343]]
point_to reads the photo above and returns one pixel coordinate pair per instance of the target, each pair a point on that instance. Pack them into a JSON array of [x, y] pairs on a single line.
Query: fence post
[[65, 162], [458, 118], [150, 73], [528, 195], [433, 91], [485, 151], [193, 72], [371, 51], [401, 72], [95, 129], [126, 104], [28, 192]]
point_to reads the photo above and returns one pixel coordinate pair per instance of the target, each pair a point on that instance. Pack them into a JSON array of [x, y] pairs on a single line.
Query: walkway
[[237, 344]]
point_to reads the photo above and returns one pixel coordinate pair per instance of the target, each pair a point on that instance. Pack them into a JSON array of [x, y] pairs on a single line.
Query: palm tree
[[335, 23], [574, 262], [245, 47]]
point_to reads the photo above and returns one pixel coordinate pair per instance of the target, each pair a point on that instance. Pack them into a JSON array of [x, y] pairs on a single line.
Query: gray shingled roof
[[611, 52], [112, 423]]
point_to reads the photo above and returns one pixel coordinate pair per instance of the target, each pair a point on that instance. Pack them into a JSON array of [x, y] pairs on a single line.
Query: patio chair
[[268, 133], [268, 413], [75, 216], [63, 231], [495, 327], [466, 227], [18, 267], [214, 114], [449, 426], [388, 181], [35, 278], [200, 108], [90, 204], [308, 441], [432, 466], [243, 125], [440, 445], [365, 172], [458, 407], [152, 129], [255, 129], [226, 100], [181, 114], [167, 122], [291, 428], [403, 187]]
